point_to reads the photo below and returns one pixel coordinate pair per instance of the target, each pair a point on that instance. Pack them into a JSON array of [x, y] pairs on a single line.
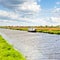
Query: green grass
[[41, 29], [7, 52], [50, 32]]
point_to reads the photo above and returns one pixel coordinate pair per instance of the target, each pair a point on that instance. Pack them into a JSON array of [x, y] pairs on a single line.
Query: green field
[[41, 29], [7, 52]]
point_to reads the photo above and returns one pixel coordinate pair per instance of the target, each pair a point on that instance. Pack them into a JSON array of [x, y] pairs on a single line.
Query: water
[[35, 46], [50, 46]]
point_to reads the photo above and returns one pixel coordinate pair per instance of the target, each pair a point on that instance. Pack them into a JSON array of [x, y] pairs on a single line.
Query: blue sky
[[29, 12], [48, 4]]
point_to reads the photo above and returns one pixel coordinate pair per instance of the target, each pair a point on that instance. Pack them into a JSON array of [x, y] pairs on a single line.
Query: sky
[[29, 12]]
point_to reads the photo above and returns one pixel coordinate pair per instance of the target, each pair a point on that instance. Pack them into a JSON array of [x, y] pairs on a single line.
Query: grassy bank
[[50, 30], [7, 52], [41, 29]]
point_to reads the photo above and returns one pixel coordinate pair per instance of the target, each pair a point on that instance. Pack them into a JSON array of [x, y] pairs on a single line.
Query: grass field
[[7, 52], [41, 29], [51, 30]]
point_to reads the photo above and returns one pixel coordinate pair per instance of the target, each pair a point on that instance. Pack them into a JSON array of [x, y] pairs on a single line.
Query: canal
[[35, 46]]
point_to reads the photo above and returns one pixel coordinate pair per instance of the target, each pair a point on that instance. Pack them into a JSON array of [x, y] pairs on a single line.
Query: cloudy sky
[[29, 12]]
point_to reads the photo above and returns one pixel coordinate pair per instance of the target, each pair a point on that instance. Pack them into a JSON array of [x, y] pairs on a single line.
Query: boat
[[31, 30]]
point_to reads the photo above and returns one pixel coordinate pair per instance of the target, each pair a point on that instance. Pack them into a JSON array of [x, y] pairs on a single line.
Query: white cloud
[[12, 16], [4, 13], [29, 6], [25, 12], [22, 5], [7, 14], [56, 10], [16, 19], [25, 8], [58, 3], [56, 19]]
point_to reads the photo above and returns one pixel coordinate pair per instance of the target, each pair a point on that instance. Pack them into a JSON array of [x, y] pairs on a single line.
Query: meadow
[[7, 52], [41, 29]]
